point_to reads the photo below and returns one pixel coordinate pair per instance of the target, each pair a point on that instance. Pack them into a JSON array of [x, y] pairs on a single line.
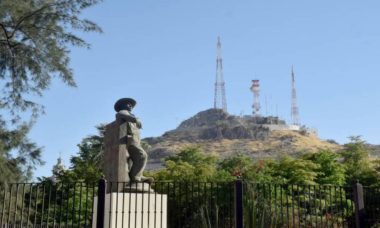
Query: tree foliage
[[359, 167], [192, 164], [18, 155], [87, 165], [295, 171], [329, 170], [35, 36], [189, 165], [325, 167]]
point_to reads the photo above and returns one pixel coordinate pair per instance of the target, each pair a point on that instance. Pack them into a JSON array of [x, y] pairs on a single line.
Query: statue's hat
[[122, 102]]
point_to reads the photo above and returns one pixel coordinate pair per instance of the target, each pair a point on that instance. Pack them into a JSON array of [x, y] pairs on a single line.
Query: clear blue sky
[[162, 53]]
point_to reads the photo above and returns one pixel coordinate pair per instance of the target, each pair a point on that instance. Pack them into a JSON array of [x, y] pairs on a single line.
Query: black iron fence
[[371, 206], [167, 204], [269, 205], [187, 204], [47, 205]]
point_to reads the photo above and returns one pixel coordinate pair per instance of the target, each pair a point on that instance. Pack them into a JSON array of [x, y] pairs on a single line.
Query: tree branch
[[22, 19], [6, 34]]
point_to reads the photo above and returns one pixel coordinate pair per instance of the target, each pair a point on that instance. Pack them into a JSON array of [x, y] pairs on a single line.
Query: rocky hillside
[[375, 151], [217, 132]]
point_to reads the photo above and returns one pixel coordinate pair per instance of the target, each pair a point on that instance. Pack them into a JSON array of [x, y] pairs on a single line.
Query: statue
[[124, 158], [137, 154], [124, 161]]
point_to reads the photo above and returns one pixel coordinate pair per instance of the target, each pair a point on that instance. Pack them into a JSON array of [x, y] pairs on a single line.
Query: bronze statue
[[137, 154]]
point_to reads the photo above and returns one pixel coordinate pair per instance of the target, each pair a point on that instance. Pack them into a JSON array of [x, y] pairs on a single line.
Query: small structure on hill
[[58, 169]]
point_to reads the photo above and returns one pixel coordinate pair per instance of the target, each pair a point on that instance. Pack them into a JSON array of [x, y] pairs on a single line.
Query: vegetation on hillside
[[352, 164], [349, 165]]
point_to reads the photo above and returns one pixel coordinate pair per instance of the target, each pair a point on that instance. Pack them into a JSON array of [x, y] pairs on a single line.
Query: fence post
[[102, 185], [239, 203], [359, 205]]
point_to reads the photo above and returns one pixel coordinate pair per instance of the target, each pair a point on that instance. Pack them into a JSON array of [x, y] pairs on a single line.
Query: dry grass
[[278, 142]]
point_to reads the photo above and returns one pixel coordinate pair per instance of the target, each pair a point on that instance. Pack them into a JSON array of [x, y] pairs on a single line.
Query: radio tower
[[220, 92], [295, 111], [255, 88]]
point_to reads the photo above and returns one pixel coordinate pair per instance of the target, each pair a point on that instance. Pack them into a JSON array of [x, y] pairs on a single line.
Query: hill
[[214, 131]]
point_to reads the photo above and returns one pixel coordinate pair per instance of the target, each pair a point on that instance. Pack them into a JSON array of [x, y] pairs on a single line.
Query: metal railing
[[270, 205], [47, 205], [372, 205], [169, 204], [187, 204]]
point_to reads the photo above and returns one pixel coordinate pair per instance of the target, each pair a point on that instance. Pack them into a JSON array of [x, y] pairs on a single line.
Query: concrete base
[[140, 210], [139, 188]]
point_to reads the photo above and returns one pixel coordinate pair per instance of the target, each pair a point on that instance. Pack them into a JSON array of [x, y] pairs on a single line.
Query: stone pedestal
[[140, 210], [115, 166]]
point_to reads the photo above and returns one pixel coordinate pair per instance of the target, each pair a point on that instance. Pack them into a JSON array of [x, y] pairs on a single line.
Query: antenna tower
[[220, 91], [255, 88], [294, 111]]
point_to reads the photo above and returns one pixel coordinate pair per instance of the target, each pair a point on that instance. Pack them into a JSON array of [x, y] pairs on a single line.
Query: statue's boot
[[147, 179], [143, 179]]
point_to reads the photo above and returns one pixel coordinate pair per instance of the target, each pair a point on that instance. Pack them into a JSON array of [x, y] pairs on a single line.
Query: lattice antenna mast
[[255, 88], [220, 91], [294, 111]]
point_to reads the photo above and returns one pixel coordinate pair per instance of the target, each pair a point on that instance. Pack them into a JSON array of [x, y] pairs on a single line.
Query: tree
[[357, 164], [329, 169], [35, 36], [18, 155], [34, 40], [237, 165], [87, 164], [243, 166], [295, 171], [190, 164]]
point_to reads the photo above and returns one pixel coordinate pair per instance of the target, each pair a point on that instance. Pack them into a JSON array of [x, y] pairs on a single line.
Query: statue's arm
[[126, 117]]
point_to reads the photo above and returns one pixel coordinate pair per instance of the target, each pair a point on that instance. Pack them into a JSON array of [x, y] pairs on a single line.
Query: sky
[[162, 53]]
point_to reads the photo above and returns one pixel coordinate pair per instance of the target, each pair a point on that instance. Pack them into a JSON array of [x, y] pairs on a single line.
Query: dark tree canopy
[[18, 155], [35, 36]]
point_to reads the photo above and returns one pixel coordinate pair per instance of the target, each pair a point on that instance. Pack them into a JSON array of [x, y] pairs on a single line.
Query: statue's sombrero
[[122, 102]]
